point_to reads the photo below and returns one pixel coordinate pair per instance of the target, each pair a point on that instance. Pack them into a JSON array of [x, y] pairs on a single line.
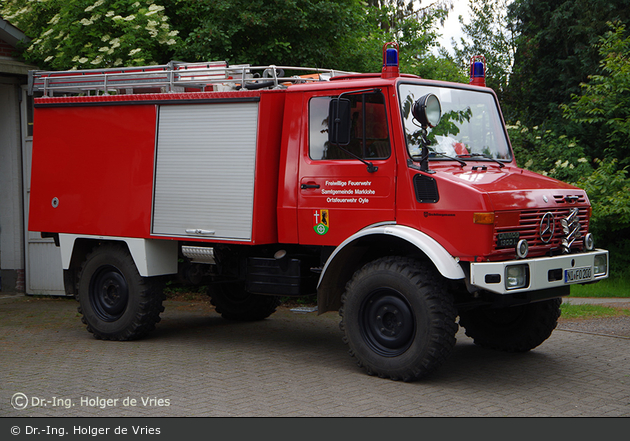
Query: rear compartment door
[[337, 195], [205, 170]]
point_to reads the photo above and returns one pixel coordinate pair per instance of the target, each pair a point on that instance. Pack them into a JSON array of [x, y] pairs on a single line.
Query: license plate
[[576, 275], [508, 239]]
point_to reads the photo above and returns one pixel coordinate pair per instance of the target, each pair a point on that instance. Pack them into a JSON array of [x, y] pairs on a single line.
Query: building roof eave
[[11, 34]]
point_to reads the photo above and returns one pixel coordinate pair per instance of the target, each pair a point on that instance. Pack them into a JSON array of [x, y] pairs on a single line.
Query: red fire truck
[[395, 199]]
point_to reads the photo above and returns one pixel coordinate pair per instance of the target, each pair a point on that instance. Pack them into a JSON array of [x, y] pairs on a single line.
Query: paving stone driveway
[[197, 364]]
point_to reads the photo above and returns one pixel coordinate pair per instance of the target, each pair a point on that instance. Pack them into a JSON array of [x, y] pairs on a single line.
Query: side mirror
[[427, 110], [339, 121]]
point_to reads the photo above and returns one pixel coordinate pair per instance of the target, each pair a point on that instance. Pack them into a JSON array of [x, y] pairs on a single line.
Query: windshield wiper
[[481, 155], [443, 156]]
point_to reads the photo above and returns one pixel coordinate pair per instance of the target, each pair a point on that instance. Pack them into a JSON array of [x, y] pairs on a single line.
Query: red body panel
[[98, 162], [450, 220], [288, 175], [350, 197], [265, 223], [96, 155]]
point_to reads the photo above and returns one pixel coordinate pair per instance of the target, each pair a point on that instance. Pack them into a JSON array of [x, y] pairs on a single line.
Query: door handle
[[307, 186], [198, 231]]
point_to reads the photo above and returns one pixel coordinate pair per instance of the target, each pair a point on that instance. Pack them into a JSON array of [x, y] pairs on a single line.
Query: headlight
[[516, 276], [600, 265], [427, 110]]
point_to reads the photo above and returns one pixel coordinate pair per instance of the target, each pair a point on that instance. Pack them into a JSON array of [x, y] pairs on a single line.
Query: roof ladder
[[176, 76]]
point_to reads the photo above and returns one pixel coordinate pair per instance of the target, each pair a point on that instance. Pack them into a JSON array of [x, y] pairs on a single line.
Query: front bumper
[[542, 272]]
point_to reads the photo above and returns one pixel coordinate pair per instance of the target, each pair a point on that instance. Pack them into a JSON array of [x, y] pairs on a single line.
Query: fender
[[332, 279], [152, 257]]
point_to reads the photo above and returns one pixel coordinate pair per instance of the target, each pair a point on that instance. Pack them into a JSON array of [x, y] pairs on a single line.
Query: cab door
[[337, 194]]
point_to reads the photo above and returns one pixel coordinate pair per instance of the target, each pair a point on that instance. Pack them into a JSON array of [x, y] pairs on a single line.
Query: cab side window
[[369, 137]]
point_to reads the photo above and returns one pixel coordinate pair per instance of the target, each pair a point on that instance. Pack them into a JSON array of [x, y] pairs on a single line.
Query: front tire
[[514, 329], [116, 303], [398, 319]]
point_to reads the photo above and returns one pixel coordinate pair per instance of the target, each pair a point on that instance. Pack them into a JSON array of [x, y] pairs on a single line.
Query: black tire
[[233, 302], [514, 329], [116, 303], [398, 319]]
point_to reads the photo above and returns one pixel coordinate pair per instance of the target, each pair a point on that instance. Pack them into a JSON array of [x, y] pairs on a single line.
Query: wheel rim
[[109, 293], [387, 322]]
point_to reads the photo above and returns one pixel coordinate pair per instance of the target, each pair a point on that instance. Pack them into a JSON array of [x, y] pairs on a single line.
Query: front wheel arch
[[375, 242]]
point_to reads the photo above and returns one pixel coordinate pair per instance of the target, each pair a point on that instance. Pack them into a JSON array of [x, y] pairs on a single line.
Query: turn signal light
[[483, 218]]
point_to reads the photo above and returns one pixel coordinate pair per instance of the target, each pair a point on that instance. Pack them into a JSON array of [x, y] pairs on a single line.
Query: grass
[[617, 285], [591, 311]]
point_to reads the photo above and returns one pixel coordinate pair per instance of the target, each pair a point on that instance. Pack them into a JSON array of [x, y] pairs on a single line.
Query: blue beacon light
[[391, 57], [390, 61], [478, 71]]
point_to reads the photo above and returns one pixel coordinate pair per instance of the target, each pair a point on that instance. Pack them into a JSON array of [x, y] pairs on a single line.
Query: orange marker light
[[483, 218]]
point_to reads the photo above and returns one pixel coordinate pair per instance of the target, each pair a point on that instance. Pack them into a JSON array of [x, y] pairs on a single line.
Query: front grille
[[569, 199], [529, 229]]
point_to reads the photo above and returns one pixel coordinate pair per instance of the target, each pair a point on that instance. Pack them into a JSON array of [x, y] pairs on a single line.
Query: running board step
[[304, 309], [199, 254]]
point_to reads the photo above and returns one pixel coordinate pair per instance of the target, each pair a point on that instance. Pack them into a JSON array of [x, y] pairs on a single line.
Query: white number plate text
[[576, 275]]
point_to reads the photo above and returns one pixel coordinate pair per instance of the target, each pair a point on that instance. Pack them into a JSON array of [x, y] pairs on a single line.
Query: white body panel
[[153, 257], [446, 264], [538, 271]]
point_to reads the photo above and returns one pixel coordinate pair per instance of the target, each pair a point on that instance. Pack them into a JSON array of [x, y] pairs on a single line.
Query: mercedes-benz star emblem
[[547, 227]]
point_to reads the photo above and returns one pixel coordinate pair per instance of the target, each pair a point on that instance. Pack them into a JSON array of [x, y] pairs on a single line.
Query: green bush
[[548, 153], [608, 186]]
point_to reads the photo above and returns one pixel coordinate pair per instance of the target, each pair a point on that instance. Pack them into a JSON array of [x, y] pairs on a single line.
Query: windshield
[[470, 124]]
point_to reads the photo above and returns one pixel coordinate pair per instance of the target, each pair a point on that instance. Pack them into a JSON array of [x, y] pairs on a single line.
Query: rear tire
[[398, 319], [233, 302], [514, 329], [116, 303]]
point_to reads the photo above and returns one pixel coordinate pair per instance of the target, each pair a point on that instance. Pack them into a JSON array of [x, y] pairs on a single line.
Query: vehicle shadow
[[319, 340]]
